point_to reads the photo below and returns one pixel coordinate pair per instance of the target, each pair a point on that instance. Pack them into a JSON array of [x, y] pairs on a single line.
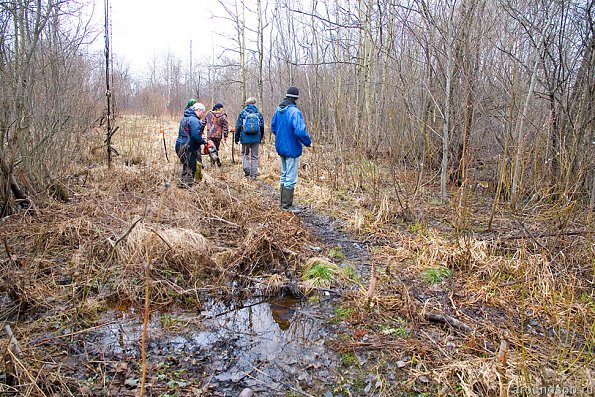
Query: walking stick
[[164, 145], [233, 160]]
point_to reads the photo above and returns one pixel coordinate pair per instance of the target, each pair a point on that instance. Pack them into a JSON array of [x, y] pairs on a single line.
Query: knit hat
[[293, 92], [218, 106], [190, 103], [198, 106]]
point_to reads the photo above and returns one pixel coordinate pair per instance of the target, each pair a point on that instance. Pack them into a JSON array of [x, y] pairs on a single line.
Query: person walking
[[216, 125], [250, 132], [289, 129], [188, 143]]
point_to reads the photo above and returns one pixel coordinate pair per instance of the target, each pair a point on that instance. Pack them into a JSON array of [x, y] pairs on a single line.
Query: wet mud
[[273, 346]]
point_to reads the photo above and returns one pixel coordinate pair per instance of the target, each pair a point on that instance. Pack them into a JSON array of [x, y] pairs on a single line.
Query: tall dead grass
[[526, 293], [73, 260]]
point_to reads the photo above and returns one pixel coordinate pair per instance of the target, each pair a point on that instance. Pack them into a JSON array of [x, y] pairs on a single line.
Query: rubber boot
[[281, 188], [287, 200], [198, 175]]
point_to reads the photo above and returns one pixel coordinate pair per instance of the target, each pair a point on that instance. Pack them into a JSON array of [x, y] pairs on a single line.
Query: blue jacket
[[290, 130], [240, 136], [190, 131]]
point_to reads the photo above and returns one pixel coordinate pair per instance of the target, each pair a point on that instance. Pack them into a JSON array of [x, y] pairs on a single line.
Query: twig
[[122, 237], [434, 342], [149, 259], [33, 382], [446, 319], [43, 341], [13, 341], [8, 253], [162, 239], [372, 288], [279, 381], [558, 234], [114, 245]]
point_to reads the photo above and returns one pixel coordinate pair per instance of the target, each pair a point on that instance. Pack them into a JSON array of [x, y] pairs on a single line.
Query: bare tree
[[41, 70]]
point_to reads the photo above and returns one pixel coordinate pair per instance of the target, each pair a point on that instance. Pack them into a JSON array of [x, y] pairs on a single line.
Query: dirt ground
[[213, 290]]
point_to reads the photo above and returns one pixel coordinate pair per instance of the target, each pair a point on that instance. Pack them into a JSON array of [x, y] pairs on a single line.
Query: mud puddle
[[272, 346]]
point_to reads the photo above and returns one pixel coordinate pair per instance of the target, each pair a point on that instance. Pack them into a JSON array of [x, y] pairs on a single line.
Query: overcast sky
[[142, 29]]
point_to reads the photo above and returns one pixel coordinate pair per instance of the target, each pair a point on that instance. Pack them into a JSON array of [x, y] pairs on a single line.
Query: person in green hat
[[188, 143]]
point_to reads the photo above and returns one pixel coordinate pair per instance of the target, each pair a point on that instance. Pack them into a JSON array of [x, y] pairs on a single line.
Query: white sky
[[143, 29]]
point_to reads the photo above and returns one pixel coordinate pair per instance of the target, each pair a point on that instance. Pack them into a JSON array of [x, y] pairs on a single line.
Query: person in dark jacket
[[289, 129], [188, 143], [250, 141]]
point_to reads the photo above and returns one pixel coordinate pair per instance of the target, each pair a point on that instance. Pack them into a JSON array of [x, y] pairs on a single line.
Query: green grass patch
[[336, 253], [321, 273], [401, 331], [349, 359], [341, 314], [436, 275], [418, 228]]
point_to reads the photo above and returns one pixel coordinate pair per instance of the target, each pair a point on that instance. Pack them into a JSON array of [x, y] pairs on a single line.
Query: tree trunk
[[446, 110]]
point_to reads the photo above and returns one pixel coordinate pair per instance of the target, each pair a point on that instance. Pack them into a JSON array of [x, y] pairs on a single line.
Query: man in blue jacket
[[250, 131], [289, 129], [188, 143]]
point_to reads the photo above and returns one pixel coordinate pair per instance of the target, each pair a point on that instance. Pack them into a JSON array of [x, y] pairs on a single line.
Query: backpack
[[215, 130], [251, 124]]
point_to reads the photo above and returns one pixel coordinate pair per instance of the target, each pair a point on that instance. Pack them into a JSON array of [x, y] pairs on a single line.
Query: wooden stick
[[528, 234], [446, 319], [41, 342], [13, 341]]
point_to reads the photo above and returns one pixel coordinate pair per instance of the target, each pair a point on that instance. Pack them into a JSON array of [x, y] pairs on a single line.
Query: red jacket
[[216, 125]]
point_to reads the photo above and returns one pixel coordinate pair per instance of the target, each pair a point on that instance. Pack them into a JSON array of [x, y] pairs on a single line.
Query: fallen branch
[[446, 319], [542, 235], [45, 340], [122, 237]]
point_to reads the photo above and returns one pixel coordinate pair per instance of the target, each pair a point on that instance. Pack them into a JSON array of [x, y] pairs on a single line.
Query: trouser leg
[[186, 176], [254, 160], [246, 159], [290, 176]]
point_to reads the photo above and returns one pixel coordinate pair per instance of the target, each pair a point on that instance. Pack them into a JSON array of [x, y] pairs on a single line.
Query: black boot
[[281, 189], [287, 200]]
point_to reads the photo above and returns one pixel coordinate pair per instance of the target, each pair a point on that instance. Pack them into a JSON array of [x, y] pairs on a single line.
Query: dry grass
[[64, 266], [511, 286], [528, 300]]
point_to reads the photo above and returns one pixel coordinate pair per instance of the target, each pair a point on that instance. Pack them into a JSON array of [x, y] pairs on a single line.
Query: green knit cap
[[190, 103]]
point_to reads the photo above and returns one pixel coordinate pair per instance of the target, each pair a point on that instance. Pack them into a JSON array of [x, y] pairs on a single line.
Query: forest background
[[500, 92]]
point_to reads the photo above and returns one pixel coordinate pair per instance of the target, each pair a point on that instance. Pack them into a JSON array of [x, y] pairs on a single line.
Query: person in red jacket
[[216, 125]]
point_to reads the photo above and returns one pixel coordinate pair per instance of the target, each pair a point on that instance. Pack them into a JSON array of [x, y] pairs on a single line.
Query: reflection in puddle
[[282, 311], [265, 345]]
